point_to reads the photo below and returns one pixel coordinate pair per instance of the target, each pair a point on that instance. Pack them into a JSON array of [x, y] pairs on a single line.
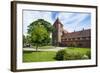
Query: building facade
[[61, 37]]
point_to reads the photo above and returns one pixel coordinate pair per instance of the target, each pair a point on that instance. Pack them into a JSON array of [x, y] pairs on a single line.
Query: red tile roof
[[83, 33]]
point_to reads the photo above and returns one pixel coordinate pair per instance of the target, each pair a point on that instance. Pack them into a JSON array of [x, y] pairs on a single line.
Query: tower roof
[[58, 22]]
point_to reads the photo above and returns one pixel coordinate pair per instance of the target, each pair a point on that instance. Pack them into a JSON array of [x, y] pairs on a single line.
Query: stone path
[[54, 49]]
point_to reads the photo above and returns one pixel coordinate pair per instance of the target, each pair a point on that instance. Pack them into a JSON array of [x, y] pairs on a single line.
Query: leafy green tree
[[26, 40], [46, 24], [39, 32], [39, 35]]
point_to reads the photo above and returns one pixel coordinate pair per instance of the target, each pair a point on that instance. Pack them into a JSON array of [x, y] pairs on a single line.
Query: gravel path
[[54, 49]]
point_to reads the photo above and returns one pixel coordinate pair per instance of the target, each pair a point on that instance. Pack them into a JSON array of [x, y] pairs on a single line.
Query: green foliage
[[39, 36], [65, 55], [76, 53], [60, 55], [85, 57], [26, 40], [46, 24], [39, 31], [73, 54], [88, 53], [73, 45]]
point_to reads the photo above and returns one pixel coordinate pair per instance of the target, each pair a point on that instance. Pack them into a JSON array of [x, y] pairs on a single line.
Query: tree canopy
[[46, 24], [39, 32]]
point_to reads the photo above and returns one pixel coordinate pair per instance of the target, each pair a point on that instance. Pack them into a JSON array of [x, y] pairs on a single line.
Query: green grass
[[38, 56], [44, 56]]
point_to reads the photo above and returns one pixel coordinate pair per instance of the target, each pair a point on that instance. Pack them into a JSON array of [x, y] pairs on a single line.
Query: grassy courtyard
[[38, 56], [41, 56]]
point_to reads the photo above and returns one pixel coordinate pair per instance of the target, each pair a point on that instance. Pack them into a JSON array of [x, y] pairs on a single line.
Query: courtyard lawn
[[38, 56], [44, 56]]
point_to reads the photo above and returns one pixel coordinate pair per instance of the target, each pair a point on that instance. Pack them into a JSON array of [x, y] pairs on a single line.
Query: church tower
[[57, 33]]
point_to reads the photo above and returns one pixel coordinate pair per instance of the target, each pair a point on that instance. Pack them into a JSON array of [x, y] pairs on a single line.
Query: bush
[[73, 56], [73, 45], [85, 57], [60, 55], [68, 56], [88, 53]]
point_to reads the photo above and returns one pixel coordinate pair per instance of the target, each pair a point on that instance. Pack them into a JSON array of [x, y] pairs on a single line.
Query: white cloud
[[30, 16], [71, 20]]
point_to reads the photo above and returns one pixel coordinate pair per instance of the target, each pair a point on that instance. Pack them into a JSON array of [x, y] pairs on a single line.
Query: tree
[[46, 24], [26, 40], [39, 32], [39, 35]]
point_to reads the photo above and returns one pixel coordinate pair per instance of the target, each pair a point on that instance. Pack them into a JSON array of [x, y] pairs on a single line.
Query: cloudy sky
[[71, 20]]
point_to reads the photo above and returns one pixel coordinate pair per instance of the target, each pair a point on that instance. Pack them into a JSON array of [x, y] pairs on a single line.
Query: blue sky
[[71, 20]]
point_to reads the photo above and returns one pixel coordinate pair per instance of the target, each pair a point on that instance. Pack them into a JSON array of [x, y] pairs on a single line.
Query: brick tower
[[56, 35]]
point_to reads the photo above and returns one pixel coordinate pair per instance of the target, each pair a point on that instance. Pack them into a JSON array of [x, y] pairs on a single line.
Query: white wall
[[5, 37]]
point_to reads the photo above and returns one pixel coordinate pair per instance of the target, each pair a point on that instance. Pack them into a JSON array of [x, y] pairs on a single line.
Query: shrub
[[85, 57], [68, 56], [73, 45], [78, 56], [73, 56], [60, 55], [88, 53]]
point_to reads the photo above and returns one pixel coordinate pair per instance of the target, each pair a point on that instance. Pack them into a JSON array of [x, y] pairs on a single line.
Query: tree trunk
[[37, 47]]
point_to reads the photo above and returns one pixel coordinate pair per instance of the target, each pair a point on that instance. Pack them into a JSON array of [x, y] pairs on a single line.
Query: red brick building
[[61, 37]]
